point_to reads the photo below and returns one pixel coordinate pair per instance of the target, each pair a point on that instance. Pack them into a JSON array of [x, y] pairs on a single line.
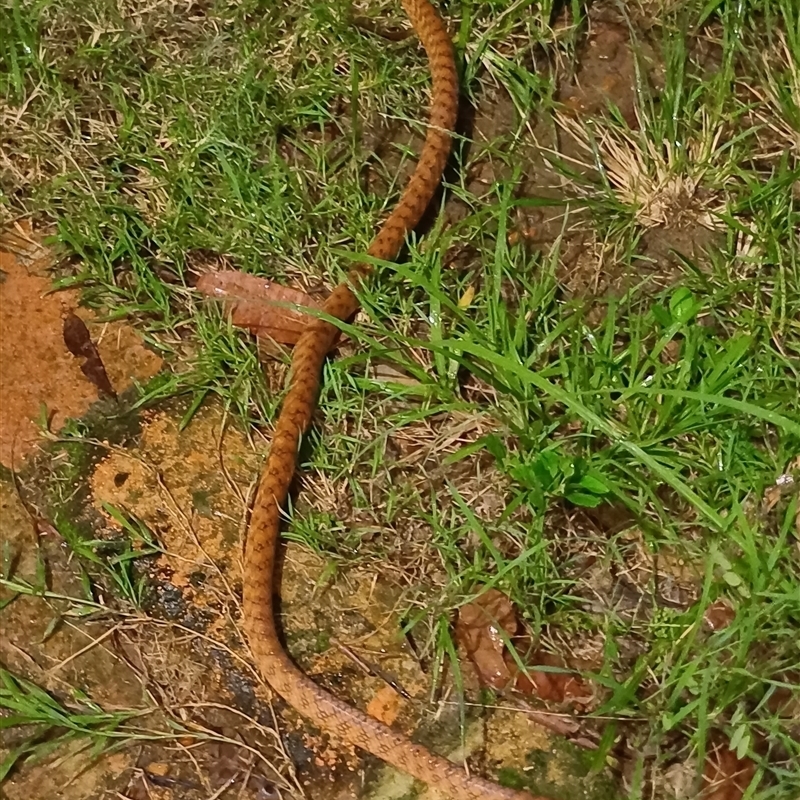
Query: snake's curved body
[[327, 712]]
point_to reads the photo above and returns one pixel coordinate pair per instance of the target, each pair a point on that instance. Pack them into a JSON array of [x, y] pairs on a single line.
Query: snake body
[[323, 709]]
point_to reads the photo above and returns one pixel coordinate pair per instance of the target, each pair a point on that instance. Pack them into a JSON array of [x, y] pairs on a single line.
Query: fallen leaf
[[80, 344], [466, 299], [719, 615], [562, 724], [725, 776], [483, 628], [526, 233], [382, 372], [554, 687], [478, 629], [263, 307]]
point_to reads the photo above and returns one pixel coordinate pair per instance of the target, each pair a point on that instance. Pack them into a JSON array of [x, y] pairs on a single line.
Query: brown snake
[[324, 710]]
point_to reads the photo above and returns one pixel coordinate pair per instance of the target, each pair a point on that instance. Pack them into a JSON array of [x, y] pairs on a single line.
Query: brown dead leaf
[[524, 233], [159, 768], [388, 373], [263, 307], [719, 615], [479, 628], [484, 626], [562, 724], [79, 343], [725, 776], [553, 687]]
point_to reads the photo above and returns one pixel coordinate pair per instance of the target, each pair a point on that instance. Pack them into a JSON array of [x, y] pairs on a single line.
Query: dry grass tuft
[[660, 181]]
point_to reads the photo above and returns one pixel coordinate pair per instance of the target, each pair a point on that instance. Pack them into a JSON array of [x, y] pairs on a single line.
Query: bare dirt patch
[[36, 369]]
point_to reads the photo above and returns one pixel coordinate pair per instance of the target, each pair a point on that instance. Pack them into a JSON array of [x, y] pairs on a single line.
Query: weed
[[54, 724]]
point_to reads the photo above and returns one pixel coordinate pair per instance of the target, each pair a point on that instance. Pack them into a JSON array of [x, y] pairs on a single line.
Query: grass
[[77, 728], [53, 724], [157, 145]]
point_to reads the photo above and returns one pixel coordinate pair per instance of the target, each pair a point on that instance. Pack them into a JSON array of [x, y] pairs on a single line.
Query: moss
[[574, 763]]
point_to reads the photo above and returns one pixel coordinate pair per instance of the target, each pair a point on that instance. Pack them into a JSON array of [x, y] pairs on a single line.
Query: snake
[[330, 714]]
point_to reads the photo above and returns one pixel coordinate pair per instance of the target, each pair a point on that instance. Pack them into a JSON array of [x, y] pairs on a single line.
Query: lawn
[[579, 383]]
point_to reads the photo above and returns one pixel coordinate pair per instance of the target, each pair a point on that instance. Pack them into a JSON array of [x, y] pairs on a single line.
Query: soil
[[45, 377]]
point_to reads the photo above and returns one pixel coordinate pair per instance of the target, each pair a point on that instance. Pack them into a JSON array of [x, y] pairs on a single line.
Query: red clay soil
[[36, 369]]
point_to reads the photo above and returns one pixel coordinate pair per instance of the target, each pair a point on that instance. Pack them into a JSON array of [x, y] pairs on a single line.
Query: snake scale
[[327, 712]]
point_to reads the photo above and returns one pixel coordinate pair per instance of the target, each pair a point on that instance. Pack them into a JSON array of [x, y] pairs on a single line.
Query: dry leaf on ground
[[263, 307], [725, 776], [481, 628], [719, 615], [79, 343], [553, 687]]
